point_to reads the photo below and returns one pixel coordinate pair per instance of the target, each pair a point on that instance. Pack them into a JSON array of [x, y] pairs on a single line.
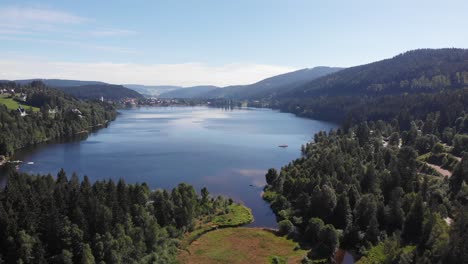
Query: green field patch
[[242, 245], [12, 104], [236, 215]]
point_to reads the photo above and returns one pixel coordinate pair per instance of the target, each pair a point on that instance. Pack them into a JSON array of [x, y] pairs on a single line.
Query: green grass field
[[238, 215], [13, 105], [242, 245]]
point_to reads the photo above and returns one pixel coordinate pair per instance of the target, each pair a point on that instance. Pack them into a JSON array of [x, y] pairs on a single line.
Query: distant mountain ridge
[[266, 87], [422, 70], [256, 90], [59, 82], [189, 92], [152, 90], [272, 85], [86, 89]]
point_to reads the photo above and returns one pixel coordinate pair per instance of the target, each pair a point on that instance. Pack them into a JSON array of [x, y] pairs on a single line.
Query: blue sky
[[214, 42]]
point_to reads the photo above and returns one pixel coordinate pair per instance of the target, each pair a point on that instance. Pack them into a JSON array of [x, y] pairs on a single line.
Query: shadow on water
[[20, 154]]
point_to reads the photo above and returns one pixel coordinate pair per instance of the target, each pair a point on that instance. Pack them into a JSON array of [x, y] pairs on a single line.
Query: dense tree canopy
[[416, 71], [95, 91], [68, 220], [373, 181]]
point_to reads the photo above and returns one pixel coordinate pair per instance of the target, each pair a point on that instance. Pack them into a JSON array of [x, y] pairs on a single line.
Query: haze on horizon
[[190, 43]]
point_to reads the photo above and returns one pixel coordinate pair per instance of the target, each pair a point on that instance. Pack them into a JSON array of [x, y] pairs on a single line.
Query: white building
[[21, 111]]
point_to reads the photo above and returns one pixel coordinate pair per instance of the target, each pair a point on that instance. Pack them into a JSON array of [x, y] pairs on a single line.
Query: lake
[[226, 150]]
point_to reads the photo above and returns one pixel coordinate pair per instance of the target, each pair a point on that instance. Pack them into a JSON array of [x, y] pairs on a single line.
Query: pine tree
[[458, 241], [271, 176], [328, 242], [372, 232], [342, 216], [87, 257], [413, 227], [314, 227]]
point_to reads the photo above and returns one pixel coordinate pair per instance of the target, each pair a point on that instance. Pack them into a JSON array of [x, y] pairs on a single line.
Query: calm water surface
[[228, 151]]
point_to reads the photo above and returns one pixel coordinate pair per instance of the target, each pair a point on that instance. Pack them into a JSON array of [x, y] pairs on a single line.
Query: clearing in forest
[[242, 245]]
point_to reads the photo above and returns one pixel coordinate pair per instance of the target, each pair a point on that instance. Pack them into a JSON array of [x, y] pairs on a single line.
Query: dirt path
[[443, 172]]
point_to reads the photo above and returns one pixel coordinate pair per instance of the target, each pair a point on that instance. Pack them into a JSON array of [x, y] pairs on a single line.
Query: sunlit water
[[228, 151]]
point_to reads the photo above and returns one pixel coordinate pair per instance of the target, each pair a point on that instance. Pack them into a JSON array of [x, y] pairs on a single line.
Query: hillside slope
[[50, 114], [58, 82], [189, 92], [265, 87], [108, 91], [424, 70], [151, 90], [272, 85]]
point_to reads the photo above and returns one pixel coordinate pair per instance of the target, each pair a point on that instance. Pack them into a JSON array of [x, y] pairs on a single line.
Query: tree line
[[67, 220]]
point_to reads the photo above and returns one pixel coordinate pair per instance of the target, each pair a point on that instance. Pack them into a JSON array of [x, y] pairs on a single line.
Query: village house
[[4, 92], [21, 111], [77, 112]]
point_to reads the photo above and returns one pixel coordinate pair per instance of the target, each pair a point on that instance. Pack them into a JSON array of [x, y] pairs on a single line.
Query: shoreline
[[7, 159], [270, 220]]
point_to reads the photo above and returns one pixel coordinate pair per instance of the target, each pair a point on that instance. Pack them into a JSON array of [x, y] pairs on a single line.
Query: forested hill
[[263, 88], [58, 82], [85, 89], [401, 86], [95, 91], [271, 86], [151, 90], [392, 189], [424, 70], [45, 114], [391, 184]]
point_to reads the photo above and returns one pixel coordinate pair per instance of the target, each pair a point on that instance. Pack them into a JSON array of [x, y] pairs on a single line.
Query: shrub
[[285, 227]]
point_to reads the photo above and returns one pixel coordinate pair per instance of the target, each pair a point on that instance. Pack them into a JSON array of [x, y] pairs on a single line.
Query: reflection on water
[[228, 151]]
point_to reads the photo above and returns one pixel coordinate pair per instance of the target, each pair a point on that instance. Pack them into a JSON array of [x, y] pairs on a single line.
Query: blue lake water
[[227, 151]]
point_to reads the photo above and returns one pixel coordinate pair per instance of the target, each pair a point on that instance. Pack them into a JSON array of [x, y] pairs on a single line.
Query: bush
[[285, 227]]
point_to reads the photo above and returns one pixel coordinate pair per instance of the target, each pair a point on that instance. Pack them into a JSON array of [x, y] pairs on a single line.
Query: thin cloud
[[112, 32], [185, 74], [79, 44], [41, 15], [33, 22], [13, 31]]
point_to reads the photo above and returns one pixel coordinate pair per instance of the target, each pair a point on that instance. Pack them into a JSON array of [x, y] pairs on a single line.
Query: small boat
[[30, 163], [283, 146]]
